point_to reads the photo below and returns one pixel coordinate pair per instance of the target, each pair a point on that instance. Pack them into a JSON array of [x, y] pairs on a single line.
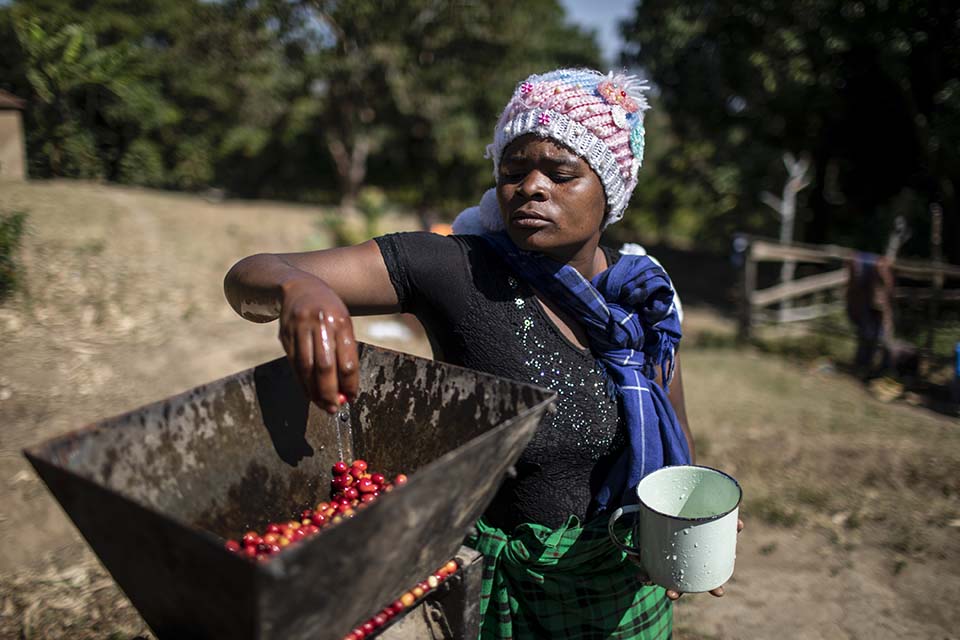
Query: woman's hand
[[313, 293], [317, 336], [718, 592]]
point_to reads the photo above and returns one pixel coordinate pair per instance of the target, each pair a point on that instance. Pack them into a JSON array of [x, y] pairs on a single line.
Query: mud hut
[[13, 155]]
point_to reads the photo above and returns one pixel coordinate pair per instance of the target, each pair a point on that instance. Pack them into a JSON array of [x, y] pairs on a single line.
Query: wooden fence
[[755, 304]]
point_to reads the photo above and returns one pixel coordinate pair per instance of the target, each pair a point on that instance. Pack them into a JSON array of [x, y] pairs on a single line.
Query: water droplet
[[695, 545]]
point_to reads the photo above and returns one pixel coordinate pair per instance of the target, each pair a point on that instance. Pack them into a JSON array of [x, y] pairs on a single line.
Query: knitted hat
[[599, 117]]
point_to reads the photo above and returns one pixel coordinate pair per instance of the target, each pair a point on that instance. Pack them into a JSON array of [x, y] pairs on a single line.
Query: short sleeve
[[425, 269], [394, 257]]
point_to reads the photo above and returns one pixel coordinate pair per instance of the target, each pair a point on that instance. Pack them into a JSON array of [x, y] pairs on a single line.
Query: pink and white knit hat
[[599, 117]]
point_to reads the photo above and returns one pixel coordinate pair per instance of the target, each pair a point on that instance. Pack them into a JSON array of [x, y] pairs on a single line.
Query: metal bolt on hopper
[[155, 491]]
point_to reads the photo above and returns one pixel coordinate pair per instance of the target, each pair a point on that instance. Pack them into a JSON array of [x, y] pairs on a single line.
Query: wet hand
[[718, 592], [317, 336]]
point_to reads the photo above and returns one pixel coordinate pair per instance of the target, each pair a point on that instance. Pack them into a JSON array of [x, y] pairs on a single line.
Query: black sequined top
[[480, 315]]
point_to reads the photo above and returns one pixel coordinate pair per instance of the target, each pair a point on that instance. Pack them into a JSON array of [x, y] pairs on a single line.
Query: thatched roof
[[10, 101]]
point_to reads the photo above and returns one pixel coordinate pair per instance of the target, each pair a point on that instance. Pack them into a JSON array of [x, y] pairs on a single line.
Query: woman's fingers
[[739, 525], [348, 362], [675, 595], [303, 357], [324, 367], [317, 336]]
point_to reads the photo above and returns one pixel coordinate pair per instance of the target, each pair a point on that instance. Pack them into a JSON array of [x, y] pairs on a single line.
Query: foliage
[[417, 95], [301, 99], [12, 228], [142, 164], [194, 88], [278, 98], [372, 203], [192, 165], [868, 88], [461, 78], [77, 85], [73, 151]]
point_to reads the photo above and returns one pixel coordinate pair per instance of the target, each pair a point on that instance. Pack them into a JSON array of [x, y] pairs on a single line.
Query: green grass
[[13, 226], [771, 510], [813, 497]]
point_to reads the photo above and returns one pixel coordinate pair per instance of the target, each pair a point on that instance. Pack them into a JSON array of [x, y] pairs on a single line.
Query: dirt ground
[[852, 505]]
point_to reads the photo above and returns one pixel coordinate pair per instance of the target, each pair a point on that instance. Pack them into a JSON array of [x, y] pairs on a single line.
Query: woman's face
[[550, 199]]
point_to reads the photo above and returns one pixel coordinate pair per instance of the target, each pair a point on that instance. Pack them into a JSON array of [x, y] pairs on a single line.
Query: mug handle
[[622, 511]]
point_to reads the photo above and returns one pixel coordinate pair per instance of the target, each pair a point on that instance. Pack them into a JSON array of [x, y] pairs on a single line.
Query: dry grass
[[815, 450], [864, 492], [77, 601], [851, 504]]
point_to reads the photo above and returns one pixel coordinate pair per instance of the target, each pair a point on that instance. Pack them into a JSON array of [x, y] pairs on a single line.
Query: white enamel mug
[[685, 530]]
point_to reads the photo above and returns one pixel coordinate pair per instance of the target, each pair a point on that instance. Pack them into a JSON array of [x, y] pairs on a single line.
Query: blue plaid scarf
[[629, 315]]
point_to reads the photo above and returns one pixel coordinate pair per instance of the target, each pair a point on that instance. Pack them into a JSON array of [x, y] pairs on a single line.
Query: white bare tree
[[786, 208], [898, 237]]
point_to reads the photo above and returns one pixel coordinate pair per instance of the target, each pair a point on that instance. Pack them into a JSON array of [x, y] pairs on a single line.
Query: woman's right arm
[[313, 295]]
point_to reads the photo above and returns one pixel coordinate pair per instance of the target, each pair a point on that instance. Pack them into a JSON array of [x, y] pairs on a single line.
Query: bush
[[142, 164], [194, 166], [12, 226], [73, 153], [372, 202], [346, 231]]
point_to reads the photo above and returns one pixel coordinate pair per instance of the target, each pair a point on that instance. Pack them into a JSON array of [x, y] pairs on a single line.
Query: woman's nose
[[533, 185]]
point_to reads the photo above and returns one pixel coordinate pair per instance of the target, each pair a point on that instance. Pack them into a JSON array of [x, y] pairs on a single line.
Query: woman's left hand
[[718, 592]]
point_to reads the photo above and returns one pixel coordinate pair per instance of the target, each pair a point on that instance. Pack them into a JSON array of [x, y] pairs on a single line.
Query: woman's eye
[[511, 177], [562, 178]]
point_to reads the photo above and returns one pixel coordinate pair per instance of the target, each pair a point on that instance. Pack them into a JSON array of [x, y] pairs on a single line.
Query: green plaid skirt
[[571, 582]]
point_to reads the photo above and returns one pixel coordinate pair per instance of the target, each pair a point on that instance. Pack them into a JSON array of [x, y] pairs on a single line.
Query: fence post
[[743, 255], [936, 254]]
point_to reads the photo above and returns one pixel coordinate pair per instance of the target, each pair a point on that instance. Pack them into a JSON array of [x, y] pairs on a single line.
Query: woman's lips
[[528, 220]]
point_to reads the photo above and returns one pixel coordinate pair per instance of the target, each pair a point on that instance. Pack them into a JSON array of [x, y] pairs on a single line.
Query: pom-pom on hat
[[598, 117]]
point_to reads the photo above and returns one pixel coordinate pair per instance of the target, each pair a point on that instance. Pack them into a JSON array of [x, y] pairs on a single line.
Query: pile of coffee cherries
[[405, 601], [353, 488]]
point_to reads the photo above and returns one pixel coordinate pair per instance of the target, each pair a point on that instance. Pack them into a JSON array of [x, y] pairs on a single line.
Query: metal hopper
[[155, 491]]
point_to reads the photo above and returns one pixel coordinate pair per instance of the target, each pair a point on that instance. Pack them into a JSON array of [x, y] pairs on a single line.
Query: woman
[[533, 298]]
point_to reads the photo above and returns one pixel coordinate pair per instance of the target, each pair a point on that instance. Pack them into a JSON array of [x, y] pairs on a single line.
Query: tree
[[281, 98], [184, 93], [423, 88], [869, 88], [76, 82]]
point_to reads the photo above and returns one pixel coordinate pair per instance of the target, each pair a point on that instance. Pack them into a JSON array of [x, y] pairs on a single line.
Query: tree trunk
[[951, 224], [351, 165], [786, 208]]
